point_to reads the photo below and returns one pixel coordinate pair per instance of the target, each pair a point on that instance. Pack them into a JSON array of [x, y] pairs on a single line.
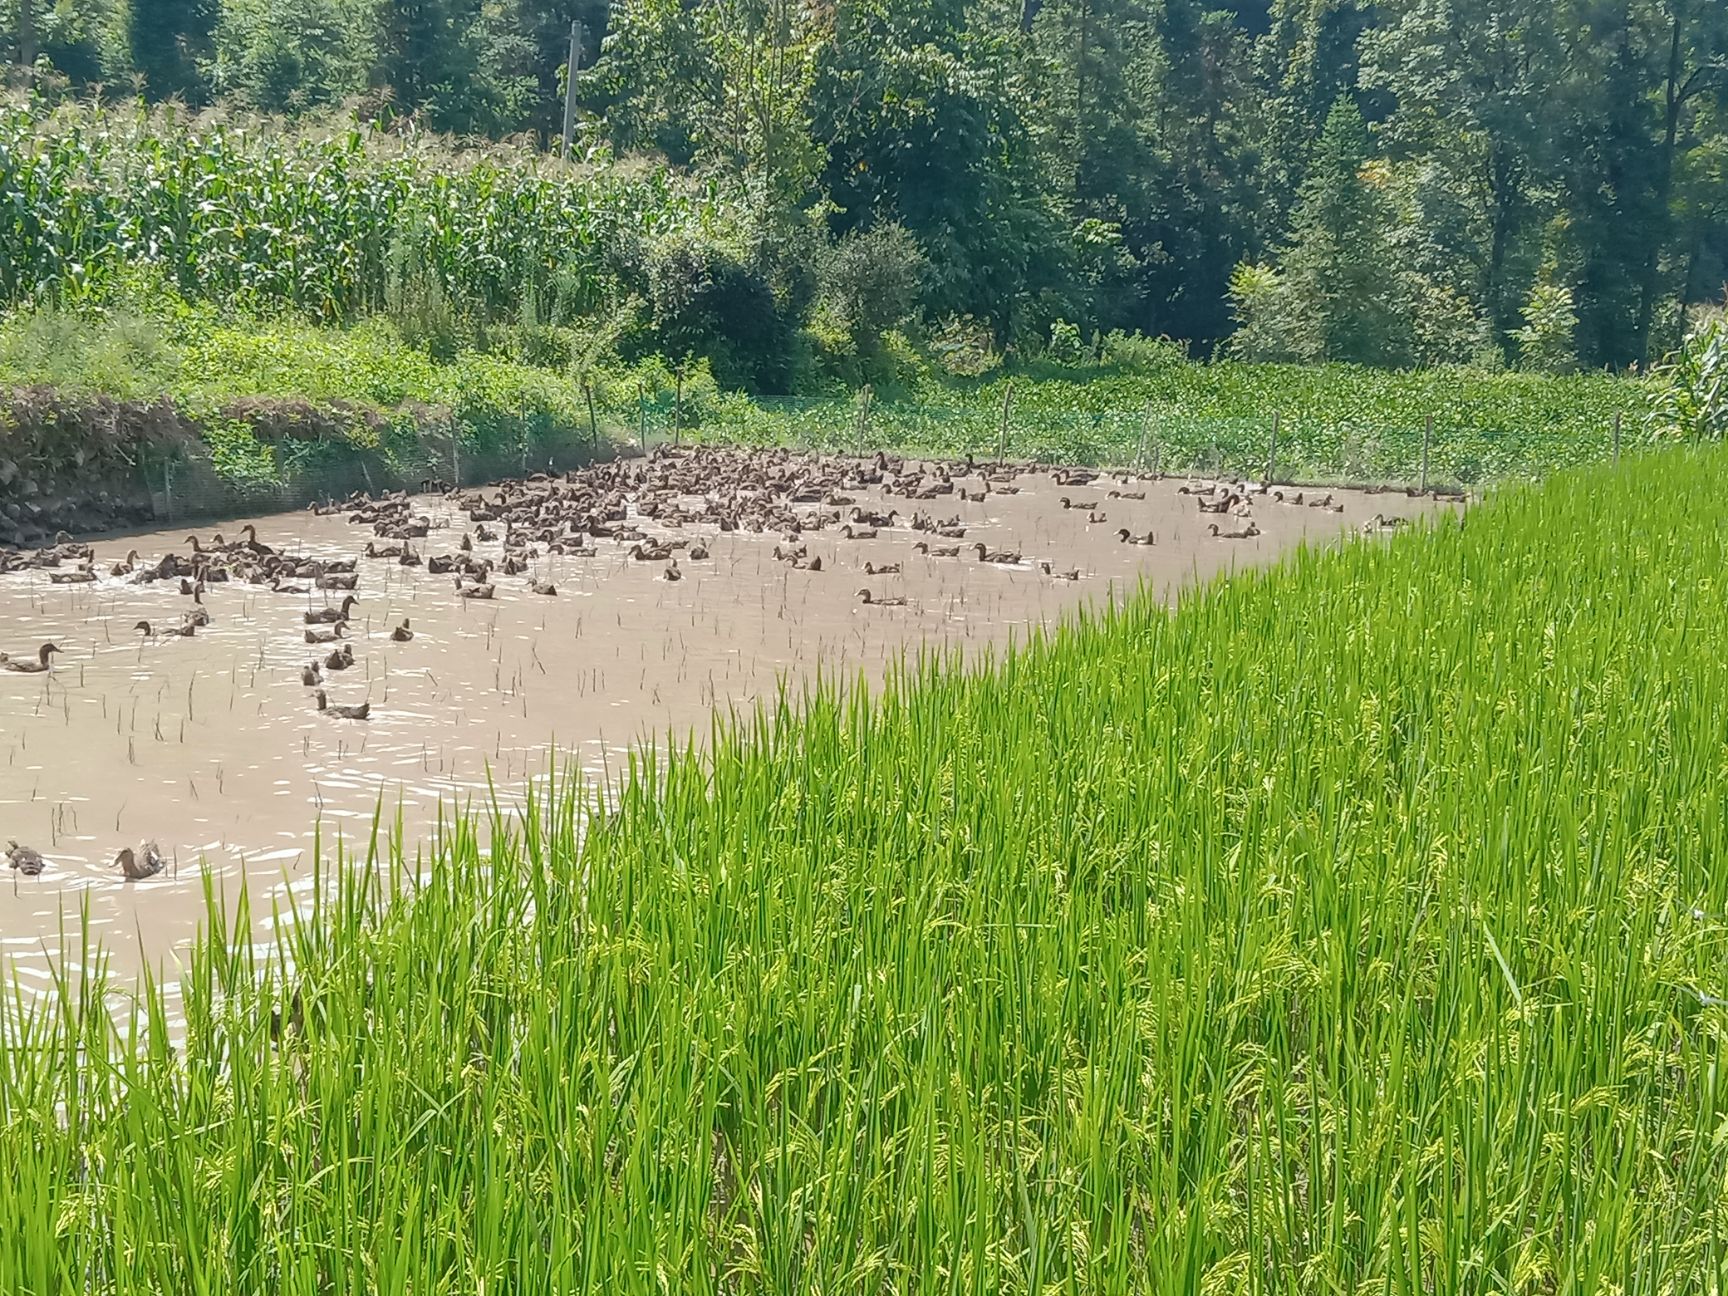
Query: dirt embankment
[[89, 463]]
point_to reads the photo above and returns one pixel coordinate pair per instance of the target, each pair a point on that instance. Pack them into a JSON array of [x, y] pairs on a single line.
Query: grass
[[1356, 927], [1334, 422]]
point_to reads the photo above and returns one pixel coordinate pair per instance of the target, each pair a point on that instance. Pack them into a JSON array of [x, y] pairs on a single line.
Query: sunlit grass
[[1356, 927]]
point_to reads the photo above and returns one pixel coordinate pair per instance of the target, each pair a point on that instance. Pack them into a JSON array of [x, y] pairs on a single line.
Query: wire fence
[[1435, 454]]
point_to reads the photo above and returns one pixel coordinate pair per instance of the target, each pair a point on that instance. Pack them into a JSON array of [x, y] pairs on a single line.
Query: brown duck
[[185, 630], [361, 712], [27, 667], [330, 615], [145, 862], [28, 862]]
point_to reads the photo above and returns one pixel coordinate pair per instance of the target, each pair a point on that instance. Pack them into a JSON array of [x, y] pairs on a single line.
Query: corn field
[[327, 226]]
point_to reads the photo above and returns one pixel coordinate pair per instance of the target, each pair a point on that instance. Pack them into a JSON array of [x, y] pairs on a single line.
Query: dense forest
[[1541, 183]]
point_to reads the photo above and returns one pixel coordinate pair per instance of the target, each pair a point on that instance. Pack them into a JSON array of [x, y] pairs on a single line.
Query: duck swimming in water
[[27, 667], [145, 862], [402, 634], [28, 862], [330, 615], [361, 712]]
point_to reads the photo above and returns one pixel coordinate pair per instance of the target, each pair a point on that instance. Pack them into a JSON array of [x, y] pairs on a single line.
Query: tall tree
[[1338, 271], [1471, 80]]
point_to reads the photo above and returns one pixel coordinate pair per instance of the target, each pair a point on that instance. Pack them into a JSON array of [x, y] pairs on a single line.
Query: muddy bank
[[88, 464], [212, 746]]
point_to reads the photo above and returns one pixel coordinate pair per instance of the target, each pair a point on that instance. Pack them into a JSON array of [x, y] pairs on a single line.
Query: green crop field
[[1356, 927]]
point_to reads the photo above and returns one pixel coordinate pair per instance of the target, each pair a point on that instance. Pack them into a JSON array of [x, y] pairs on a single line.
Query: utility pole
[[26, 33], [578, 33]]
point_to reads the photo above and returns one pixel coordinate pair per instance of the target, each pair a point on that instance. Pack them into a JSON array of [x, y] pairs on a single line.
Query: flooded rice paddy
[[212, 745]]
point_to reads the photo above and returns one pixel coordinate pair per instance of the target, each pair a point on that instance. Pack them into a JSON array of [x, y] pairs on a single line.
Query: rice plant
[[1357, 926]]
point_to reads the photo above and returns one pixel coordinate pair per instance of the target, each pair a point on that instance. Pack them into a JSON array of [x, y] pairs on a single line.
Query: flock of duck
[[648, 509]]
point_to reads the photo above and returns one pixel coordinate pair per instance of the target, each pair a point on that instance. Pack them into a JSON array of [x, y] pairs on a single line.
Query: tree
[[170, 39], [451, 60], [1471, 80], [928, 122], [291, 55], [1338, 272]]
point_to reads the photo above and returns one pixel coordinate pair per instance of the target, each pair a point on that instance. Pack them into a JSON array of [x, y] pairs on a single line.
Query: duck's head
[[143, 627], [1122, 533], [319, 697]]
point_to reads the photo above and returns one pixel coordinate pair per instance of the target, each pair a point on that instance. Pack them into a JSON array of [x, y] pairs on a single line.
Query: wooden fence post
[[1145, 432], [1427, 437], [865, 398], [678, 406]]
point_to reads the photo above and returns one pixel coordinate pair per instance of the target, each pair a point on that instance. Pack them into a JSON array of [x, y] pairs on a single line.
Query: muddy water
[[212, 746]]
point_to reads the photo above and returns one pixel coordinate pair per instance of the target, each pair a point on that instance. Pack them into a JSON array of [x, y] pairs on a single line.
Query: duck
[[310, 675], [330, 636], [1073, 574], [649, 552], [28, 862], [1079, 504], [127, 566], [995, 555], [1380, 522], [1126, 495], [330, 615], [251, 534], [869, 600], [145, 862], [361, 712], [199, 615], [888, 569], [698, 552], [402, 634], [277, 587], [341, 659], [338, 580], [857, 533], [543, 587], [1128, 537], [948, 551], [185, 630], [1295, 501], [77, 576], [1095, 517], [483, 591], [1247, 533], [672, 573], [812, 565], [28, 667]]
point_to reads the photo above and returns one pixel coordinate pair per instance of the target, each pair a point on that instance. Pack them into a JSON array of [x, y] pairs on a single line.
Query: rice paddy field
[[1356, 926]]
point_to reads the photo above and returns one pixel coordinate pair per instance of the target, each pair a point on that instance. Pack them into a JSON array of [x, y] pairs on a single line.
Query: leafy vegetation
[[1138, 404], [1422, 177], [1082, 970]]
